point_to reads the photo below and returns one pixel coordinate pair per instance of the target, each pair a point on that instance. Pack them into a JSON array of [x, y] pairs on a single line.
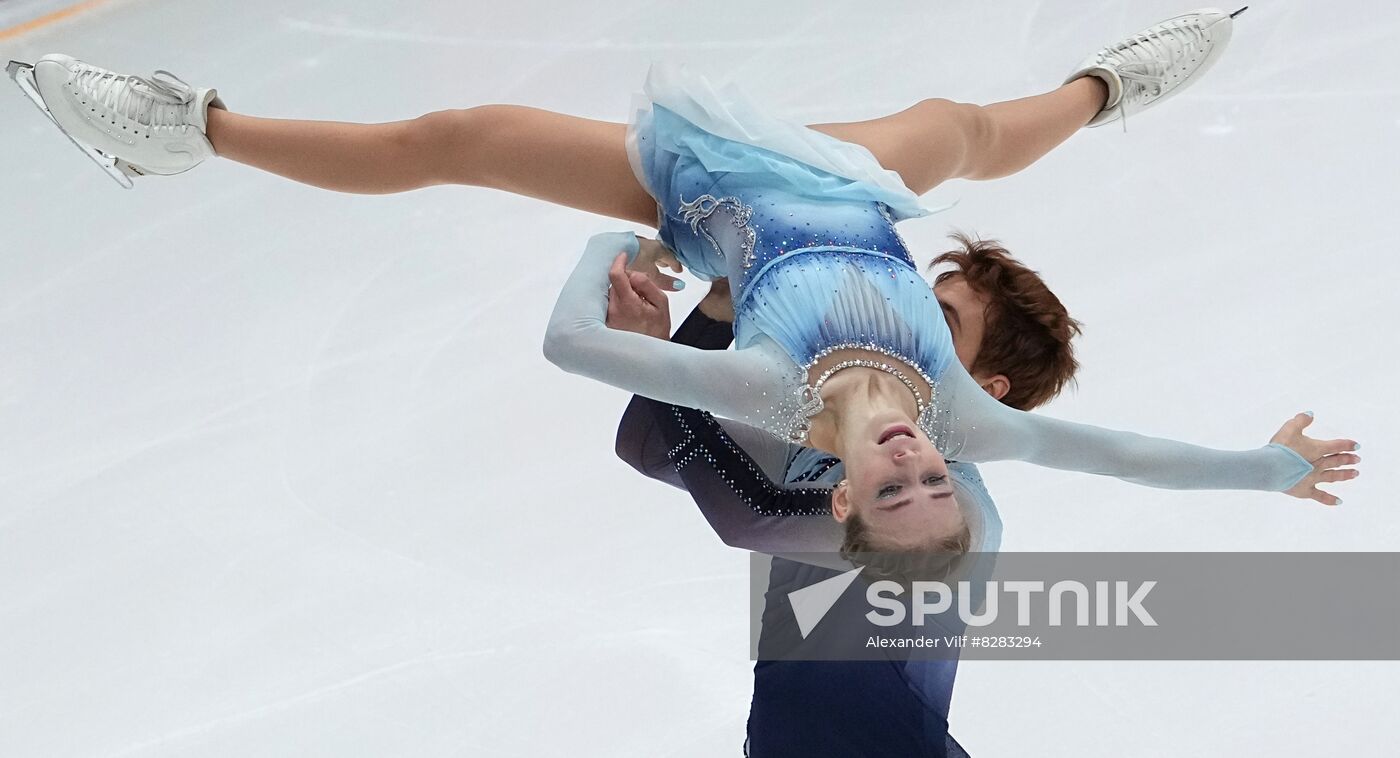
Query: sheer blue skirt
[[699, 149], [802, 224]]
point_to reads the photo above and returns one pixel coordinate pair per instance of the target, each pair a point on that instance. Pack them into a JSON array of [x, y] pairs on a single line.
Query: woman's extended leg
[[567, 160], [583, 163], [937, 140]]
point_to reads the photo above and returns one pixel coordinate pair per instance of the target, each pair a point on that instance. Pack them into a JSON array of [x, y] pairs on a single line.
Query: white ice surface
[[283, 473]]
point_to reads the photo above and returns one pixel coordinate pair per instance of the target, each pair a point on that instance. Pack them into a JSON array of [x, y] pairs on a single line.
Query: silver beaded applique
[[698, 210], [810, 401]]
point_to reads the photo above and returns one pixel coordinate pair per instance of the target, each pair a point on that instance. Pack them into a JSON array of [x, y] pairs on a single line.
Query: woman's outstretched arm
[[1291, 462]]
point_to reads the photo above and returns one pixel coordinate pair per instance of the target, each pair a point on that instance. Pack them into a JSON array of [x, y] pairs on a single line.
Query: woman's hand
[[649, 261], [1327, 457], [635, 303]]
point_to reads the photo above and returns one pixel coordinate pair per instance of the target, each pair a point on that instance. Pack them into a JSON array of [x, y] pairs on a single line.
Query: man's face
[[965, 310]]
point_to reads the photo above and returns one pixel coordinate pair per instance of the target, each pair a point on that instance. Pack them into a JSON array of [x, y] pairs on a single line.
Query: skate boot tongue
[[171, 90], [166, 97], [164, 86]]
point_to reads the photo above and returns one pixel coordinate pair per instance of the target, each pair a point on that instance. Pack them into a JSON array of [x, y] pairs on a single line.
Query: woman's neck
[[852, 397]]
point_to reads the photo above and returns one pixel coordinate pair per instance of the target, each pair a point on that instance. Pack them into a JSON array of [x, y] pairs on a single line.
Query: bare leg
[[581, 163], [938, 140], [567, 160]]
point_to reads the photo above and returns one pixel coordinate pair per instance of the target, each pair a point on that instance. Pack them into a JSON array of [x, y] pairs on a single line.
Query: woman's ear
[[841, 502]]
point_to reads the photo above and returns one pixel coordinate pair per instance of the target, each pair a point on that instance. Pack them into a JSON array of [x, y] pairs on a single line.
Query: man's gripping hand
[[635, 303]]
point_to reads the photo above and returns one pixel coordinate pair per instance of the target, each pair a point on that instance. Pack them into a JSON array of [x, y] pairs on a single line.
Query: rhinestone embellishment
[[810, 401], [698, 210]]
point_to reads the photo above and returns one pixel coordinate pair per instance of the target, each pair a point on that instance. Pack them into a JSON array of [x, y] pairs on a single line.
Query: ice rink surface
[[283, 472]]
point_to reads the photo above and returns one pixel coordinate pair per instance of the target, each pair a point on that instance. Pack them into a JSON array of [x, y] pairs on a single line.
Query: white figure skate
[[1158, 62], [128, 125]]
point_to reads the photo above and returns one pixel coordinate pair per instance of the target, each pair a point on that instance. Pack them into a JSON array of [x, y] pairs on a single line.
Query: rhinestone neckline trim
[[811, 402]]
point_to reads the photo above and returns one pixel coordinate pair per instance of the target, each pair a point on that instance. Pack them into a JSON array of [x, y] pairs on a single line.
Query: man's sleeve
[[640, 442], [743, 505], [690, 449]]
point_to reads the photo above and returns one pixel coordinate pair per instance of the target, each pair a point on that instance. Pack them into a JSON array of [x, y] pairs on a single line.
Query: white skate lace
[[1144, 60], [158, 102]]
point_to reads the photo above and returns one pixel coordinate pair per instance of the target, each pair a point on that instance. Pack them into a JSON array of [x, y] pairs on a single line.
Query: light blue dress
[[803, 226]]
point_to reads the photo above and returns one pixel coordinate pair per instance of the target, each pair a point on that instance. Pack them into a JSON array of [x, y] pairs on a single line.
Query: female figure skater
[[788, 214]]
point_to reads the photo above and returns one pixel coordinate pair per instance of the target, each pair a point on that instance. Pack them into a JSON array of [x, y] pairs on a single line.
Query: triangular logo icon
[[811, 603]]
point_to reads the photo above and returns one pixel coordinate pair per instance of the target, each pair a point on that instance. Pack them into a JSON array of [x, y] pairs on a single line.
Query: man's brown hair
[[1028, 332]]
